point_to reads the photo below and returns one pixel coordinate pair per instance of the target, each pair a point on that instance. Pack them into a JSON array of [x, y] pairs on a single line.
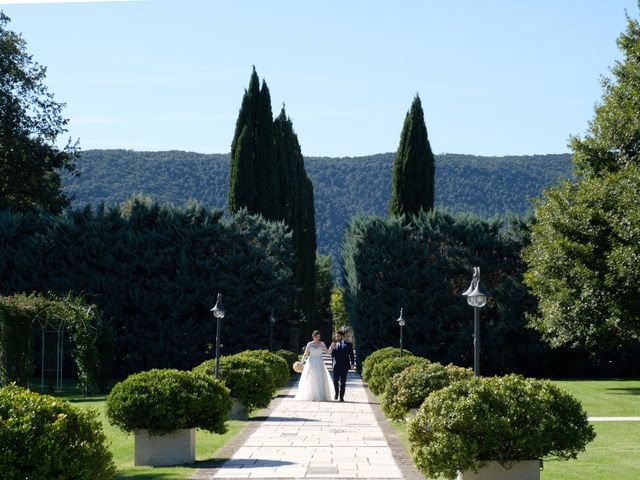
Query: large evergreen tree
[[30, 122], [253, 178], [296, 208], [267, 177], [584, 255], [412, 187]]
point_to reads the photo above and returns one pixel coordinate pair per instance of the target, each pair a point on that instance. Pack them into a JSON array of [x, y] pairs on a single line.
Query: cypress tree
[[252, 176], [267, 176], [412, 187], [296, 208], [267, 171]]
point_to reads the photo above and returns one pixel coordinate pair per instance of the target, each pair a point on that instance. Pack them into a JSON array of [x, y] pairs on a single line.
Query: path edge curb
[[400, 455]]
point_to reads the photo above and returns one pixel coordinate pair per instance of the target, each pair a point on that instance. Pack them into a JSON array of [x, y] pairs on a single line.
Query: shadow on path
[[272, 419]]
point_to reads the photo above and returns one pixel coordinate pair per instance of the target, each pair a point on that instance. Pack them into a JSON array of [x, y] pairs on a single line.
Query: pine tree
[[412, 187]]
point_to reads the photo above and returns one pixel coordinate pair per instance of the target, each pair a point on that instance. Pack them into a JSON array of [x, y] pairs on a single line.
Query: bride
[[315, 382]]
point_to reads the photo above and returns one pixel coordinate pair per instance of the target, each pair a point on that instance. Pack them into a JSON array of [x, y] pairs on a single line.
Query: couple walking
[[315, 381]]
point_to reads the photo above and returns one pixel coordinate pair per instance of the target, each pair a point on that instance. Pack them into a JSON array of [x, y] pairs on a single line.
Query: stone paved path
[[341, 440]]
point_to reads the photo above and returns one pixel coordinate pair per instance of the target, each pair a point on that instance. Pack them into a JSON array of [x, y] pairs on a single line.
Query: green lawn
[[615, 453], [121, 444], [606, 398]]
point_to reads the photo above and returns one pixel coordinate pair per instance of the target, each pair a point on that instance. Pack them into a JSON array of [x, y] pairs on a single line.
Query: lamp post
[[477, 298], [402, 323], [272, 322], [218, 312]]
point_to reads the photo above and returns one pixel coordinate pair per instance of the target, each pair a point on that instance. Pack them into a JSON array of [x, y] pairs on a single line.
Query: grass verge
[[121, 443]]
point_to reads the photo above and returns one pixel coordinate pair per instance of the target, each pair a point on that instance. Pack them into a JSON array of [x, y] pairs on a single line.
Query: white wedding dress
[[315, 382]]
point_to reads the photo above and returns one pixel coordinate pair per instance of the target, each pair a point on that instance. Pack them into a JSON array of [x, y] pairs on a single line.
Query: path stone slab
[[348, 440]]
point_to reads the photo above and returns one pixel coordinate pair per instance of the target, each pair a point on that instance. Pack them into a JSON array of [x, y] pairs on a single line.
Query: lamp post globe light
[[477, 298], [218, 312], [272, 322], [401, 321]]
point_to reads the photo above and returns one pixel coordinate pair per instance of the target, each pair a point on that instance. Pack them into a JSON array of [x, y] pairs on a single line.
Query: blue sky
[[496, 77]]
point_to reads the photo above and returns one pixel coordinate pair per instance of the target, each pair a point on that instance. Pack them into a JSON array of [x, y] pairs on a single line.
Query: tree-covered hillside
[[342, 186]]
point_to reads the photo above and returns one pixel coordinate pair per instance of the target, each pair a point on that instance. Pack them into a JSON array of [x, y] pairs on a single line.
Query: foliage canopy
[[584, 254], [44, 437], [504, 419], [30, 122]]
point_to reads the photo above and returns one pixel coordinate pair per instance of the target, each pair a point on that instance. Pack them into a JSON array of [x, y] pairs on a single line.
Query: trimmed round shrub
[[277, 366], [377, 357], [289, 357], [382, 373], [43, 437], [248, 379], [163, 401], [506, 419], [409, 388]]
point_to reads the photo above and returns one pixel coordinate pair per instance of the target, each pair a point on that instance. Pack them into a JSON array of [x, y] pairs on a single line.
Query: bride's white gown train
[[315, 382]]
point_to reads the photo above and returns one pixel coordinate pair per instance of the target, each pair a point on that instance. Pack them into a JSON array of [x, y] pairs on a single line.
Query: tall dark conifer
[[267, 176], [412, 186], [252, 178], [297, 209]]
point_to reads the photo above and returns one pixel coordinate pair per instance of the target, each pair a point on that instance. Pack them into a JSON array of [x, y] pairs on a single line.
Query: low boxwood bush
[[382, 373], [378, 356], [289, 357], [43, 437], [409, 388], [277, 366], [163, 401], [506, 419], [249, 379]]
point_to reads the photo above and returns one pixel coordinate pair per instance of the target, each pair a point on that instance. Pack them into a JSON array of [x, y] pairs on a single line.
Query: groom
[[343, 359]]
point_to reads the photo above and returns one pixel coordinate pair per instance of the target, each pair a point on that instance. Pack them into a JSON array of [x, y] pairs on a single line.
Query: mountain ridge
[[343, 186]]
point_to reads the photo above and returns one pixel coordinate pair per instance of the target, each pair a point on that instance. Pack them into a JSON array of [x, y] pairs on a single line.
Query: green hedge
[[248, 379], [505, 419], [289, 357], [42, 437], [382, 373], [163, 401], [409, 388], [277, 366], [378, 356], [21, 317], [157, 275]]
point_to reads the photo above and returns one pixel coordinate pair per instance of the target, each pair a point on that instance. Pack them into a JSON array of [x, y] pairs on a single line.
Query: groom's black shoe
[[336, 397], [341, 399]]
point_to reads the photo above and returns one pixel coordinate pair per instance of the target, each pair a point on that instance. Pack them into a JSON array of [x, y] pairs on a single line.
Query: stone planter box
[[175, 448], [525, 470], [238, 410]]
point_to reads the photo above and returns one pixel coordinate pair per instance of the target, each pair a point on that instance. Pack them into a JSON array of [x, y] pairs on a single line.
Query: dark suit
[[342, 360]]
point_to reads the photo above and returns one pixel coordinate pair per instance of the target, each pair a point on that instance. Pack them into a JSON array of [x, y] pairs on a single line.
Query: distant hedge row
[[155, 270], [423, 263]]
